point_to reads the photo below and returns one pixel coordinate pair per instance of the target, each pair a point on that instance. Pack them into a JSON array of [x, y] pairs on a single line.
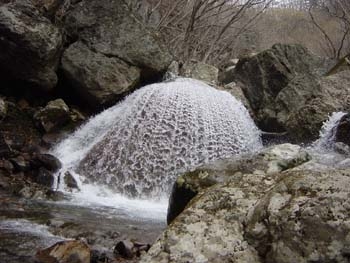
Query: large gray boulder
[[304, 218], [109, 28], [283, 217], [99, 79], [30, 45], [271, 160], [287, 92]]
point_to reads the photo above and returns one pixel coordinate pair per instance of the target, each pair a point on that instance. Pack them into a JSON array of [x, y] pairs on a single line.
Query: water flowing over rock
[[328, 132], [139, 146]]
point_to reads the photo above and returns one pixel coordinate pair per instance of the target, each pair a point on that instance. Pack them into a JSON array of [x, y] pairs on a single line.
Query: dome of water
[[139, 146]]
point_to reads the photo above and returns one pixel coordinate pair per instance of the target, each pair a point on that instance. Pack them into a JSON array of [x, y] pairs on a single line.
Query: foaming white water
[[139, 146], [327, 133], [100, 196], [323, 154], [26, 226]]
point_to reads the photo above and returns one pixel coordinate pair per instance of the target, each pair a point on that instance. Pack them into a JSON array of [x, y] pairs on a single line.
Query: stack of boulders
[[100, 49]]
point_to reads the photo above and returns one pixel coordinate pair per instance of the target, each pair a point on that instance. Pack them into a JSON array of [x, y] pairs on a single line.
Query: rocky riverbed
[[28, 225]]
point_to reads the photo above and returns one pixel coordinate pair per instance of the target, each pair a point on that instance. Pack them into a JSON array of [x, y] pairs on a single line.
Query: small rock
[[98, 256], [55, 223], [55, 114], [201, 71], [70, 181], [20, 164], [125, 249], [65, 252], [173, 71], [342, 148], [55, 195], [76, 116], [25, 192], [50, 139], [45, 177], [141, 247], [48, 161]]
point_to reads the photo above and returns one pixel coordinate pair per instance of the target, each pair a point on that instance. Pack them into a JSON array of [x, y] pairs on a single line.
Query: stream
[[29, 225]]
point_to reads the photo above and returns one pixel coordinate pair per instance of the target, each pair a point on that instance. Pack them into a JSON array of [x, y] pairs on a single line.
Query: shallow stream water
[[28, 225]]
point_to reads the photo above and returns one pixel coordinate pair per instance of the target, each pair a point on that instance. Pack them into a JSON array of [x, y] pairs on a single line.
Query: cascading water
[[138, 147], [327, 132], [323, 152]]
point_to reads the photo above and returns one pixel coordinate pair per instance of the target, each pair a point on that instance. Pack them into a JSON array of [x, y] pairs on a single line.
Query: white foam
[[327, 133], [99, 196], [26, 226]]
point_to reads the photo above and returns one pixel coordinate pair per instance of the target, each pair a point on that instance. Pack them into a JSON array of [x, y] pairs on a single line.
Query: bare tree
[[205, 29], [335, 45]]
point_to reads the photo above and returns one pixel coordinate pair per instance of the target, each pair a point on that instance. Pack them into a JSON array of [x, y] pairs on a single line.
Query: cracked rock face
[[304, 218], [291, 216], [99, 79], [108, 27], [30, 45], [114, 51]]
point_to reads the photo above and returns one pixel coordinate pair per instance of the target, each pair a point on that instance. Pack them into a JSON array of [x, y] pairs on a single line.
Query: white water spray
[[327, 132], [139, 146]]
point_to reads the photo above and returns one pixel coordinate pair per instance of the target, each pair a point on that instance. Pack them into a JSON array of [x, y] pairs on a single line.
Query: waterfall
[[139, 146], [327, 132]]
